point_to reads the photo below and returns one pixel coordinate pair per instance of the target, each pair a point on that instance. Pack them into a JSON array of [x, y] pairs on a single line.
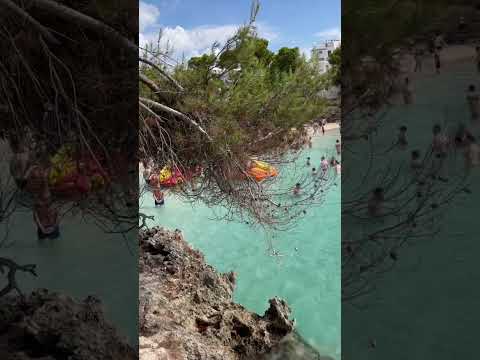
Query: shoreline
[[328, 128]]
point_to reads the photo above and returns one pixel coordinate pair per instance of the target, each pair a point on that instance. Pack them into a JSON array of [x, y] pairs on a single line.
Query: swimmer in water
[[296, 189], [308, 161]]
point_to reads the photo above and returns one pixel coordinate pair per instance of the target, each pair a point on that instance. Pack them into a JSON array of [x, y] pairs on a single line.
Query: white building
[[322, 53]]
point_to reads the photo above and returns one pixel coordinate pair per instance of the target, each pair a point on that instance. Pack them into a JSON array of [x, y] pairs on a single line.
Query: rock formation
[[51, 326], [187, 311]]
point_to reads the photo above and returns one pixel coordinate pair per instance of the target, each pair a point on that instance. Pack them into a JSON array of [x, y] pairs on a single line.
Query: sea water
[[426, 306], [307, 275], [83, 261]]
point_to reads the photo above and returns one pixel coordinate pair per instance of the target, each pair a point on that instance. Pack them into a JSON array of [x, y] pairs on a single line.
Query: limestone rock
[[46, 325], [189, 313]]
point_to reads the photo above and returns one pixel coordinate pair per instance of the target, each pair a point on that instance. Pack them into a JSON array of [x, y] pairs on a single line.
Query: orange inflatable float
[[261, 170]]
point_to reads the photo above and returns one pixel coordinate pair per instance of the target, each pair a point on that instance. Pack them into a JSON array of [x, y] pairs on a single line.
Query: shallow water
[[83, 261], [426, 307], [309, 279]]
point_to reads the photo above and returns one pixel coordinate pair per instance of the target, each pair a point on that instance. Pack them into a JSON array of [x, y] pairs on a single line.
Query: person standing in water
[[477, 57], [324, 164], [376, 202], [439, 143], [19, 163], [46, 217], [338, 168], [308, 161], [473, 100], [402, 137], [296, 189], [158, 196], [407, 91], [418, 55], [338, 147], [416, 161], [438, 65]]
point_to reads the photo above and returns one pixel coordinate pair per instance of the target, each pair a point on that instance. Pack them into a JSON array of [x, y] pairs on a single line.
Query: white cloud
[[329, 34], [189, 42], [307, 51], [266, 31], [148, 16]]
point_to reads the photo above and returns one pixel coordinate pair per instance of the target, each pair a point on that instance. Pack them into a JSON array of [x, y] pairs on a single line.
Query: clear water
[[83, 261], [427, 306], [309, 279]]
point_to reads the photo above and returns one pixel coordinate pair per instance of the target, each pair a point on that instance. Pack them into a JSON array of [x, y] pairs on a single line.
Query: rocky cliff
[[187, 311], [51, 326]]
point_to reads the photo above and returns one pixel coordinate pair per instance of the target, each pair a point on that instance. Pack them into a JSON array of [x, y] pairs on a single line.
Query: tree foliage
[[238, 102]]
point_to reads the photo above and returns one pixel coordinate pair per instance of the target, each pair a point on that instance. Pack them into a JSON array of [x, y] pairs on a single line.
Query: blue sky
[[191, 26]]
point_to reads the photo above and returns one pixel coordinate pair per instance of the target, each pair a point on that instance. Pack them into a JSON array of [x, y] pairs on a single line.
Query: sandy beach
[[328, 127]]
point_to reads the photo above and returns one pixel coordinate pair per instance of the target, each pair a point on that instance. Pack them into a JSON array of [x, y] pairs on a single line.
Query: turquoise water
[[427, 306], [309, 278], [83, 261]]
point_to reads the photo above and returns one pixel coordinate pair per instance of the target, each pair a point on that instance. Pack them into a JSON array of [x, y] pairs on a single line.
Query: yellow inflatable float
[[261, 170]]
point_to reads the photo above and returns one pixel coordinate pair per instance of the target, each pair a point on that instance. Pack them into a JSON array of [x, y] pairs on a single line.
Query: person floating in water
[[159, 197], [338, 147], [473, 100], [297, 189]]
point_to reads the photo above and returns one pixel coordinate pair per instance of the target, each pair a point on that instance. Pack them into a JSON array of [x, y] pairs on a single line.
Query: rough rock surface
[[51, 326], [293, 347], [186, 307]]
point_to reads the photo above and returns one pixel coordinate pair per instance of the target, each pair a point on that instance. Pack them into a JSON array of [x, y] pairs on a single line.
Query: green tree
[[335, 61], [286, 60]]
